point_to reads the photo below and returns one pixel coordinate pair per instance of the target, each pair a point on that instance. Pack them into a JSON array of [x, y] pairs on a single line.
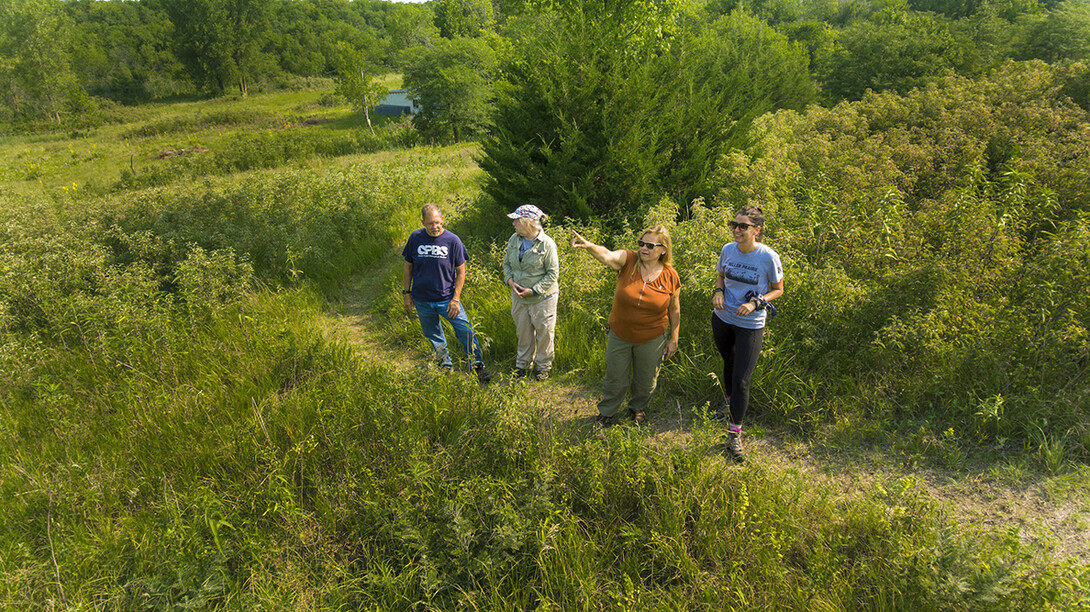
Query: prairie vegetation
[[179, 431]]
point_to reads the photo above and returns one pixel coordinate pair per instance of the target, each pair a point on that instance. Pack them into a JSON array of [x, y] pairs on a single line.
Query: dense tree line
[[133, 51], [584, 106], [52, 53]]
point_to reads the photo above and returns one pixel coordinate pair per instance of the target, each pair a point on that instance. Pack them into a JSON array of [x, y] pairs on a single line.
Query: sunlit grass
[[178, 430], [44, 164]]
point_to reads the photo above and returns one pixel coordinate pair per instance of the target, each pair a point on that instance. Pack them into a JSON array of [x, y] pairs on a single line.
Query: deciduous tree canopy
[[36, 75], [453, 82]]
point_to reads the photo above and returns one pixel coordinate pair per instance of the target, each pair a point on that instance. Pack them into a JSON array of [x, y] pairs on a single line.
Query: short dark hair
[[428, 208]]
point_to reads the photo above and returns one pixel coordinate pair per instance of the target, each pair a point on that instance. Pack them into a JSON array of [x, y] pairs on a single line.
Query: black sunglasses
[[649, 245], [744, 226]]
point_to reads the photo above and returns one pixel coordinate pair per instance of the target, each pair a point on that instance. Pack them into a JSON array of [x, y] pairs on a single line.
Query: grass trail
[[1052, 513]]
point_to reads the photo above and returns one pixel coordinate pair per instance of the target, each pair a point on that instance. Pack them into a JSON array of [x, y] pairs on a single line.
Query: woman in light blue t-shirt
[[750, 276]]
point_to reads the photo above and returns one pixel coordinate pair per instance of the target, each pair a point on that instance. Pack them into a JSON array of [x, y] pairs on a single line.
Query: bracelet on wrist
[[718, 290]]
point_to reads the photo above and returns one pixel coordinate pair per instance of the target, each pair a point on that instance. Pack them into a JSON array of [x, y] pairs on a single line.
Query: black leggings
[[739, 348]]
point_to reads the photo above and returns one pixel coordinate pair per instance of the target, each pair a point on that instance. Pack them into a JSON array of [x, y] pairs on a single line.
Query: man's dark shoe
[[734, 447], [521, 373], [602, 421], [483, 375], [541, 374]]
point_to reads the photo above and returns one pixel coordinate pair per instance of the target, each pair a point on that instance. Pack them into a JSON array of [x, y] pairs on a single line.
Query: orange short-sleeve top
[[639, 308]]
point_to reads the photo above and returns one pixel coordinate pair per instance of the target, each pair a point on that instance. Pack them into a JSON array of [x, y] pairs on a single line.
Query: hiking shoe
[[483, 375], [602, 421], [640, 417], [541, 374], [446, 368], [521, 373], [734, 447]]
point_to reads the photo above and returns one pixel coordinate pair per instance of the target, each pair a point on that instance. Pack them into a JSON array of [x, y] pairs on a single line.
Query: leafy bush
[[453, 83], [923, 236], [893, 50]]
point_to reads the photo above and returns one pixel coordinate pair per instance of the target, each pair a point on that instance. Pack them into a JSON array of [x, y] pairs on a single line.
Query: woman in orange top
[[643, 323]]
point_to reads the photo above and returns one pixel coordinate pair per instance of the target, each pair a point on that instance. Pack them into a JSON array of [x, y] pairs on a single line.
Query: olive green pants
[[631, 367]]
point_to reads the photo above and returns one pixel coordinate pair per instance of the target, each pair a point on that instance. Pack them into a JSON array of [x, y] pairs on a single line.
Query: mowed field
[[211, 398]]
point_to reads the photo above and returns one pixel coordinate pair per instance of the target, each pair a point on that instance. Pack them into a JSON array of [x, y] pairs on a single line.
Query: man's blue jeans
[[429, 313]]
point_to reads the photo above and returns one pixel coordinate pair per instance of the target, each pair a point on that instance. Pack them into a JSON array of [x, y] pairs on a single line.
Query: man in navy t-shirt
[[435, 271]]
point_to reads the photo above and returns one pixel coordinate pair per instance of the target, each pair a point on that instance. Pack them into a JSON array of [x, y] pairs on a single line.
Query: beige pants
[[535, 325]]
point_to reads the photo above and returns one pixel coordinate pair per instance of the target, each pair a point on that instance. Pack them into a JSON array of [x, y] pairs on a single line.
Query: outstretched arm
[[613, 259]]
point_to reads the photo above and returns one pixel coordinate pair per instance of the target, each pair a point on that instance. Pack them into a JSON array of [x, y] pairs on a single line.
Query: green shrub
[[926, 238]]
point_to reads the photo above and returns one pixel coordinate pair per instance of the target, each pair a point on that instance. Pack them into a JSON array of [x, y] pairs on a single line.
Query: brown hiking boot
[[734, 447]]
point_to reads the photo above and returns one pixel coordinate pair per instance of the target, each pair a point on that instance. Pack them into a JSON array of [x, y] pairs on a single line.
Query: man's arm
[[455, 305], [407, 284]]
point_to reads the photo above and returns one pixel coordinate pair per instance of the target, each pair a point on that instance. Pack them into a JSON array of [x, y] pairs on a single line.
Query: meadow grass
[[160, 143], [178, 431], [253, 462]]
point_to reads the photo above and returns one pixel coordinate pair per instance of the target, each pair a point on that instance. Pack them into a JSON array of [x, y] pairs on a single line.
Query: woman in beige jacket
[[531, 268]]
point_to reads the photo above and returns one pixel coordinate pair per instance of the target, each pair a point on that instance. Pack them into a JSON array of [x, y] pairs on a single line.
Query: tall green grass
[[263, 465], [157, 144], [178, 432], [227, 117]]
